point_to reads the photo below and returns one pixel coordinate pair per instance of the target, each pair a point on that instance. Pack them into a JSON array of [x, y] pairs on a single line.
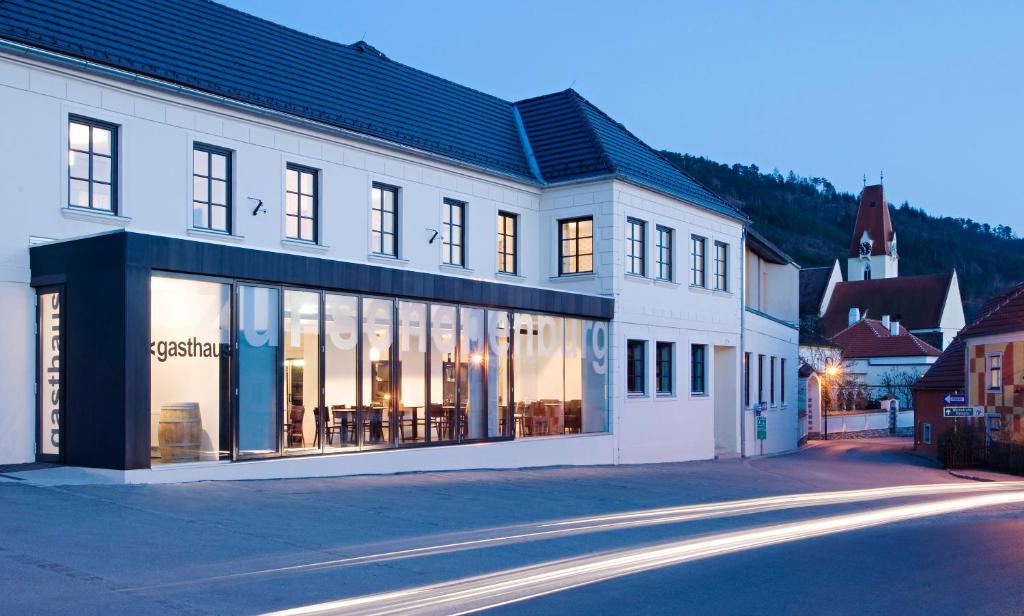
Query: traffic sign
[[955, 399], [762, 427], [962, 411]]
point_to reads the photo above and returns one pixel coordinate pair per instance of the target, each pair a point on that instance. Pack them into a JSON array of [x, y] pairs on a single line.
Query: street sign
[[762, 427], [962, 411], [762, 407], [954, 399]]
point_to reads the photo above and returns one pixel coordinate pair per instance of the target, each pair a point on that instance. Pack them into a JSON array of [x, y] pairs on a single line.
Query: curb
[[966, 476]]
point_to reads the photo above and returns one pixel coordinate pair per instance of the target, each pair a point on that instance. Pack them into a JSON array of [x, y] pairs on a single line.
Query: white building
[[233, 255]]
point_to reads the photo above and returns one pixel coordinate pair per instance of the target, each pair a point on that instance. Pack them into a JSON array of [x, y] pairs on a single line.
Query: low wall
[[867, 424]]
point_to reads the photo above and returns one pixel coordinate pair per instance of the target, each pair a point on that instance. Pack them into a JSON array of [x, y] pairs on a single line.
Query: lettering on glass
[[50, 373]]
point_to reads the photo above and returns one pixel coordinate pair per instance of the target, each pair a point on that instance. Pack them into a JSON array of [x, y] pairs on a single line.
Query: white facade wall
[[156, 135], [764, 336]]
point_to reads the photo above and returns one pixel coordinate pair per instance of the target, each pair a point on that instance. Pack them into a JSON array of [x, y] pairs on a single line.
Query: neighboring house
[[233, 253], [945, 376], [770, 345]]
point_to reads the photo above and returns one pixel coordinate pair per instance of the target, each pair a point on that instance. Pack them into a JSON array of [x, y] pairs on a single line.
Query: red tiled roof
[[914, 301], [869, 338], [873, 217], [948, 371], [1001, 314]]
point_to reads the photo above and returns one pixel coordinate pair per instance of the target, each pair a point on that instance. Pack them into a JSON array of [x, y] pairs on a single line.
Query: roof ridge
[[1009, 297], [578, 101]]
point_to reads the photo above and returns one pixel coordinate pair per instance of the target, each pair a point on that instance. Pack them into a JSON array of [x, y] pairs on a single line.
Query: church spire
[[873, 220]]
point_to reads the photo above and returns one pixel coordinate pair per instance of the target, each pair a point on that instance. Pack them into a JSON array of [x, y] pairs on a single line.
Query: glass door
[[258, 349], [50, 374], [303, 418]]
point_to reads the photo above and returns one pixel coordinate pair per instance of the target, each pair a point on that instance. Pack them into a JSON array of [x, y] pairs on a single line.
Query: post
[[826, 401]]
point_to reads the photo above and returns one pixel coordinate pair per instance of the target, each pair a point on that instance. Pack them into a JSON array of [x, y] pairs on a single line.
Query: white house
[[243, 264]]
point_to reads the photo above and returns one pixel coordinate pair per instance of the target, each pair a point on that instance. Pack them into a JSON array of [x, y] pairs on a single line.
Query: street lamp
[[832, 371]]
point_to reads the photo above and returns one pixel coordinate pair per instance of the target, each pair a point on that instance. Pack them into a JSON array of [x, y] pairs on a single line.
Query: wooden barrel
[[180, 432]]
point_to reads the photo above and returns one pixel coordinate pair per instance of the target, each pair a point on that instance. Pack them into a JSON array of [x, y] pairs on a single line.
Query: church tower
[[873, 245]]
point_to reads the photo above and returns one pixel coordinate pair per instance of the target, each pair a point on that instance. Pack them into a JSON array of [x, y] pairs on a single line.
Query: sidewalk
[[980, 474]]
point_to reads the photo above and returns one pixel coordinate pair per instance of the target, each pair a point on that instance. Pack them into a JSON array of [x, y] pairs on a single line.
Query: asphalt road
[[845, 527]]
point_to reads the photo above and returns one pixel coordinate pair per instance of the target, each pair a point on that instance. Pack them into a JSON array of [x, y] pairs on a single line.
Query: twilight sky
[[930, 92]]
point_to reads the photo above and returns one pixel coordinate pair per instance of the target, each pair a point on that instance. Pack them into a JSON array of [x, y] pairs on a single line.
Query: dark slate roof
[[1002, 314], [948, 371], [914, 301], [572, 140], [813, 283], [215, 49], [870, 338]]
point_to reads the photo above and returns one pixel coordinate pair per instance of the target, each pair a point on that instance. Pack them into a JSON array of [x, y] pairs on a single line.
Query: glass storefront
[[321, 372]]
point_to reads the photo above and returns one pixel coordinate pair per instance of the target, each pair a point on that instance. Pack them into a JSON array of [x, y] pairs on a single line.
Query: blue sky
[[932, 93]]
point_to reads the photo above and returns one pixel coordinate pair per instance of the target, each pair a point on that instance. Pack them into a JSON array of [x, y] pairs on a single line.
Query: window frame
[[664, 368], [746, 379], [636, 264], [698, 240], [993, 366], [760, 378], [315, 218], [635, 363], [115, 134], [721, 273], [701, 374], [782, 381], [926, 433], [229, 205], [665, 262], [576, 241], [448, 225], [506, 218], [771, 380], [395, 230]]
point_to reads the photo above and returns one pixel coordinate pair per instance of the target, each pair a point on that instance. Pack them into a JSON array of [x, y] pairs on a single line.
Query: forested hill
[[812, 222]]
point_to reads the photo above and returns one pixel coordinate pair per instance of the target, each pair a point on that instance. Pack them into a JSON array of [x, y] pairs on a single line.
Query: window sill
[[695, 289], [573, 277], [665, 396], [388, 259], [303, 245], [699, 395], [509, 276], [455, 269], [75, 213], [666, 283], [636, 396], [722, 293], [214, 235], [637, 278]]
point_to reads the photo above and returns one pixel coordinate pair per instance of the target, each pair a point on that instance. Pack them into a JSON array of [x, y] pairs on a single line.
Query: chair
[[574, 416], [344, 425], [293, 429]]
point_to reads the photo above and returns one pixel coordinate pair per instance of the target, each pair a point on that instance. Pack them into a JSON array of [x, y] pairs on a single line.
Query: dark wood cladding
[[107, 320]]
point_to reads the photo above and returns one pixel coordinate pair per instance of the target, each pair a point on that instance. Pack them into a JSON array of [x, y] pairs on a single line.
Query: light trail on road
[[508, 535], [519, 584]]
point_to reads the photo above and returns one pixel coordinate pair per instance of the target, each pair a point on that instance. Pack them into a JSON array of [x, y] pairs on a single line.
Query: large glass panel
[[190, 332], [539, 370], [341, 365], [412, 360], [595, 376], [377, 372], [259, 315], [50, 376], [473, 374], [573, 423], [499, 338], [442, 372], [301, 415]]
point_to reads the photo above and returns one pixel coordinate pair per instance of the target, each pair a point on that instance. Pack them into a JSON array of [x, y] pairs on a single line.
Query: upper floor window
[[508, 233], [384, 220], [698, 369], [92, 164], [453, 233], [636, 231], [301, 203], [721, 266], [211, 188], [664, 369], [576, 246], [995, 371], [697, 269], [664, 253], [636, 366]]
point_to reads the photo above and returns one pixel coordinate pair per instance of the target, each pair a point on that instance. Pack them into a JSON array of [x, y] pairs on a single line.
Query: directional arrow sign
[[954, 399], [963, 411]]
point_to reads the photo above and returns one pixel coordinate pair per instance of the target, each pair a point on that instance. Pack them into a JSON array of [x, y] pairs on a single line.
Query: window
[[92, 165], [867, 271], [453, 233], [636, 231], [576, 246], [301, 205], [721, 266], [995, 372], [384, 220], [211, 188], [746, 380], [636, 366], [664, 369], [782, 381], [698, 369], [760, 379], [508, 232], [771, 381], [926, 433], [664, 253], [697, 245]]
